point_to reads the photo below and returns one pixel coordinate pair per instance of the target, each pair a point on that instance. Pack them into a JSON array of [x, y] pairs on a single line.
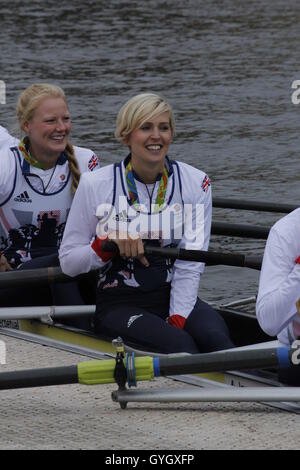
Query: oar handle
[[209, 257]]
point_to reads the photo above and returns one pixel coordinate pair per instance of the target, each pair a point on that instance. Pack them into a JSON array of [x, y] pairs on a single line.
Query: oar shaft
[[253, 205], [33, 276], [145, 368], [240, 230], [228, 360], [39, 377]]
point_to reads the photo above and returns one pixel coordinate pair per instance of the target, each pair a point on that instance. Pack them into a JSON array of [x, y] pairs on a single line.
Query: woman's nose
[[61, 125], [155, 134]]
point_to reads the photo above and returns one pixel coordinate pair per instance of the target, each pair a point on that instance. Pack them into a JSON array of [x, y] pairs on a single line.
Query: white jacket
[[77, 256], [279, 285], [28, 193]]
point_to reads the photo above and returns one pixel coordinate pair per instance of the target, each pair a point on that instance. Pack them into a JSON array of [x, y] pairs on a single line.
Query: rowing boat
[[243, 325]]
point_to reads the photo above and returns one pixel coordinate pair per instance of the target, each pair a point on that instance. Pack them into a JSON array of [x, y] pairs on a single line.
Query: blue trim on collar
[[26, 166], [62, 159], [136, 176], [170, 164]]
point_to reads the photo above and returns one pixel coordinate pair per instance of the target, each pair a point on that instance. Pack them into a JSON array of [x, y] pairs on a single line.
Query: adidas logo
[[132, 319], [122, 217], [23, 197]]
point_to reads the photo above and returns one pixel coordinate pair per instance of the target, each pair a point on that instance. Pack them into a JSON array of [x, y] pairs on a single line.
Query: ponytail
[[73, 165]]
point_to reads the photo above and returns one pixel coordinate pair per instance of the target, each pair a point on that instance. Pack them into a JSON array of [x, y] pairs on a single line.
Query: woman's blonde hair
[[27, 104], [139, 109]]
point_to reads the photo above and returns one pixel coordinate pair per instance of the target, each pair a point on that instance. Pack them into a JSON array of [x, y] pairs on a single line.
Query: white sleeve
[[76, 255], [87, 159], [6, 139], [7, 173], [186, 274], [279, 284]]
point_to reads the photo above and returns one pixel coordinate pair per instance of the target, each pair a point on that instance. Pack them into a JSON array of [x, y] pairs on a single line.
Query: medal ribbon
[[132, 190], [26, 154]]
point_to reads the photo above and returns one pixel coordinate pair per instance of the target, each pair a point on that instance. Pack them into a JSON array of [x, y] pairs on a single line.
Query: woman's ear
[[126, 141], [25, 127]]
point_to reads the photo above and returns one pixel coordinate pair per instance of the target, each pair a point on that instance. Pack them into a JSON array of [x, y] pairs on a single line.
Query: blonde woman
[[147, 300], [38, 178]]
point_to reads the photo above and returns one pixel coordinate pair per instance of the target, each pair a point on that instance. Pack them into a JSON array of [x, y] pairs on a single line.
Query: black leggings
[[204, 331]]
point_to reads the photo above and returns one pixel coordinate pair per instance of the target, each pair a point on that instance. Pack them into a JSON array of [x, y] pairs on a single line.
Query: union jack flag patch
[[93, 163], [205, 184]]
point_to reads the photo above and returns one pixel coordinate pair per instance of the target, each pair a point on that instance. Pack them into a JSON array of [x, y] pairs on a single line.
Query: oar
[[39, 276], [49, 312], [231, 394], [33, 276], [253, 205], [146, 368], [209, 257], [48, 275], [240, 230]]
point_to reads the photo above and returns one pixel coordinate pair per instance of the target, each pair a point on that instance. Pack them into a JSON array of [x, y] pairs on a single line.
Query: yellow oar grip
[[102, 372]]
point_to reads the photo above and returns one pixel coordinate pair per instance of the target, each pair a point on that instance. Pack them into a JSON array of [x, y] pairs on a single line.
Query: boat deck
[[81, 417]]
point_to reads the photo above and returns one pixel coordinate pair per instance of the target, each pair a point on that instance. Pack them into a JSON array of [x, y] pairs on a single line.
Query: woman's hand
[[130, 247], [4, 264]]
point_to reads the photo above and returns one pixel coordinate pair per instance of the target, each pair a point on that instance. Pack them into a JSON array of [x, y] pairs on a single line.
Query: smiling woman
[[38, 177], [48, 131], [151, 302]]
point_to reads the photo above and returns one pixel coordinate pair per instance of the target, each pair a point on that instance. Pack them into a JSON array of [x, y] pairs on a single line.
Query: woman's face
[[49, 129], [150, 143]]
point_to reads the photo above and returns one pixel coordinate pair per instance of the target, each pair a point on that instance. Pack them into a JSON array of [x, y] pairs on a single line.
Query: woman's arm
[[186, 274], [7, 173], [76, 253], [6, 139], [279, 285]]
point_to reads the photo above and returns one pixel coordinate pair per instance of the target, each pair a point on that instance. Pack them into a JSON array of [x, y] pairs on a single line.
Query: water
[[226, 66]]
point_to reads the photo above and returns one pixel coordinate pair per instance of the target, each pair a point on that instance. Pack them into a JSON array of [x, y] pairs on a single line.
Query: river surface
[[226, 66]]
